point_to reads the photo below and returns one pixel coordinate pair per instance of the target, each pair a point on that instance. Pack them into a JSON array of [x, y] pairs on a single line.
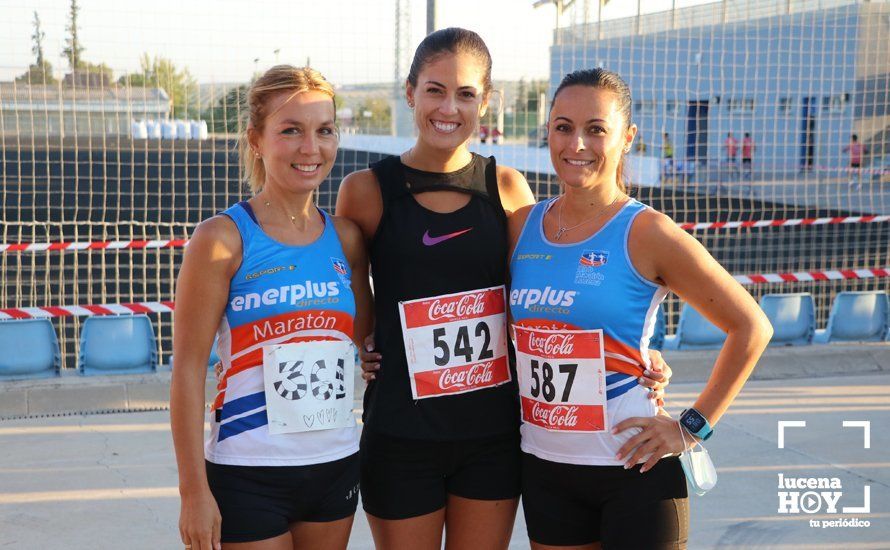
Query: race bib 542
[[456, 343]]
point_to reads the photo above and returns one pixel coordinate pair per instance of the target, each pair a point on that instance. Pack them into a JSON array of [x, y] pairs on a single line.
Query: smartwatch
[[696, 424]]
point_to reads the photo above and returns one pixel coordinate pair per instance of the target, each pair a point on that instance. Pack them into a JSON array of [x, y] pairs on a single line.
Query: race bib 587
[[456, 343], [562, 379]]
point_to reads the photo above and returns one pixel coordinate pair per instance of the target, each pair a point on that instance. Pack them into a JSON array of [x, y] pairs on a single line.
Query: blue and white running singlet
[[588, 285], [280, 294]]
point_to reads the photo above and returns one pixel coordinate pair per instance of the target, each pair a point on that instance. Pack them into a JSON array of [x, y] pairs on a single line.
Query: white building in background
[[27, 110]]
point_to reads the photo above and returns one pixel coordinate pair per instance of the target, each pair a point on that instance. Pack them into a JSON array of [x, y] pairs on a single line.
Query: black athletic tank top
[[409, 260]]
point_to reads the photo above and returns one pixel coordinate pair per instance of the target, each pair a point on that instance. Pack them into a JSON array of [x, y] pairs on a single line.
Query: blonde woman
[[271, 270]]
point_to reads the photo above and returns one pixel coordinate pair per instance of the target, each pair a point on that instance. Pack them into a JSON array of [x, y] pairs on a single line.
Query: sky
[[221, 41]]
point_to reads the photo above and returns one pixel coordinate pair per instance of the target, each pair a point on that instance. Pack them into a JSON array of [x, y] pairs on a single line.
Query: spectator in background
[[640, 145], [731, 144], [856, 151], [496, 135], [667, 151], [748, 147], [483, 133]]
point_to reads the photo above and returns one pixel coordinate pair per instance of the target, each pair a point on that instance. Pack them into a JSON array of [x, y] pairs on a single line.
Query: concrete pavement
[[109, 480]]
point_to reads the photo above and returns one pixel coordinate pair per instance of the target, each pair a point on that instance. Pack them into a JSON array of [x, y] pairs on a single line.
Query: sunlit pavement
[[109, 481]]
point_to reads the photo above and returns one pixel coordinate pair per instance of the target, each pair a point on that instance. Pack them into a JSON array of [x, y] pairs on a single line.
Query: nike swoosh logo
[[430, 241]]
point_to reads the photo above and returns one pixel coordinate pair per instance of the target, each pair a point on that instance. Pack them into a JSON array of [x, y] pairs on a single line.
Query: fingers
[[668, 372], [656, 360], [369, 370], [216, 535], [631, 444], [635, 422], [646, 449], [655, 381], [653, 460], [369, 356]]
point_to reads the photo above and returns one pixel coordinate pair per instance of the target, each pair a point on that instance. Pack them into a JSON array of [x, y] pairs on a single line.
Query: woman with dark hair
[[440, 445], [588, 430]]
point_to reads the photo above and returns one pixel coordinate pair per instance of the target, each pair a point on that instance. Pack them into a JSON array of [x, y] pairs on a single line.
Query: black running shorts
[[567, 504], [261, 502], [406, 478]]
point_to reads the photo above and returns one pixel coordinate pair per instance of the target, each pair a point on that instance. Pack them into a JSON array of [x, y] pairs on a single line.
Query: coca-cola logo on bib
[[552, 344], [474, 376], [558, 416], [467, 305]]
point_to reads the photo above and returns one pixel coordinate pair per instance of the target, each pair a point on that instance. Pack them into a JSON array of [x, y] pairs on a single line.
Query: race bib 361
[[309, 386], [456, 343]]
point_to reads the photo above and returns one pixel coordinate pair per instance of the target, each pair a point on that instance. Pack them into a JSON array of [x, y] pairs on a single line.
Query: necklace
[[293, 219], [563, 229]]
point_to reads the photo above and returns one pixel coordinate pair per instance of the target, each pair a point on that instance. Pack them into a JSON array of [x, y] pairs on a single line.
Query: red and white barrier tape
[[80, 311], [803, 276], [179, 243], [781, 223], [96, 245], [165, 307]]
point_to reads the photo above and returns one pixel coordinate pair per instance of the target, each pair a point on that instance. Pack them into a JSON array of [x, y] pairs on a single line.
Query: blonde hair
[[280, 78]]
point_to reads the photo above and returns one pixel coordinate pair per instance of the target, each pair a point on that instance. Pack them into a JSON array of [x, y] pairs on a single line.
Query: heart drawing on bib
[[326, 416], [309, 420]]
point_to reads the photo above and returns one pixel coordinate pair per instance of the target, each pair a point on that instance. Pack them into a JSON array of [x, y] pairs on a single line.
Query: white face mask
[[697, 465]]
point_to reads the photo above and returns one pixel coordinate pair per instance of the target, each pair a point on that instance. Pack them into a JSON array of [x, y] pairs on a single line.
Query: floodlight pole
[[430, 16]]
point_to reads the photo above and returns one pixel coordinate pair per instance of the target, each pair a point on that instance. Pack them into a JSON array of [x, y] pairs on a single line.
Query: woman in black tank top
[[435, 220]]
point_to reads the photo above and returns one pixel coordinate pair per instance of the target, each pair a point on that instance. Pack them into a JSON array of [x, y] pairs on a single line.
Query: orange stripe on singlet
[[631, 361]]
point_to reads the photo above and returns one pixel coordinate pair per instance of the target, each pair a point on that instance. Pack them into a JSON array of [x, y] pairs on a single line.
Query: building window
[[835, 103], [671, 107], [744, 105], [645, 106], [786, 105]]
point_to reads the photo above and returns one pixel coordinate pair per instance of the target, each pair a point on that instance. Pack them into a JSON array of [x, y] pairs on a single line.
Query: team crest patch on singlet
[[587, 272], [342, 271]]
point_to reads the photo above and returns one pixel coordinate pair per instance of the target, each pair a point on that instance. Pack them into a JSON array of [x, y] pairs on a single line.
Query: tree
[[528, 102], [227, 115], [38, 37], [521, 96], [73, 50], [41, 71], [374, 115], [180, 85]]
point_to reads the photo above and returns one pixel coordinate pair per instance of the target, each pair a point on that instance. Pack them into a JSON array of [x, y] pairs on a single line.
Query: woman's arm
[[663, 252], [211, 259], [360, 201], [354, 247], [513, 190]]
